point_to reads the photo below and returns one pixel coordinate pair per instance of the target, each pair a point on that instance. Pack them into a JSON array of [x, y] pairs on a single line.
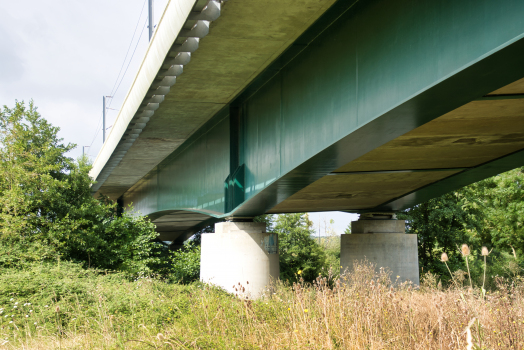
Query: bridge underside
[[461, 140], [375, 106]]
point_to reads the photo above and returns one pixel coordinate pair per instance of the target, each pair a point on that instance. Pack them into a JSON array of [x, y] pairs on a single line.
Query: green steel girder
[[361, 76]]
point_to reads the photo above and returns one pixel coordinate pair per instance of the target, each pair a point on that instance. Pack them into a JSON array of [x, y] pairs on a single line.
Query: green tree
[[442, 224], [487, 213], [503, 203], [48, 211], [186, 263], [298, 250]]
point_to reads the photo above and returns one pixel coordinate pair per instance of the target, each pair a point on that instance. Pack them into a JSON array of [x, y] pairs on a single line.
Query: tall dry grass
[[360, 311]]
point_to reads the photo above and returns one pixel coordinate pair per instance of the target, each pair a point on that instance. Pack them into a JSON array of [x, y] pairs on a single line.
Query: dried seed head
[[465, 250], [444, 257], [57, 309], [485, 251]]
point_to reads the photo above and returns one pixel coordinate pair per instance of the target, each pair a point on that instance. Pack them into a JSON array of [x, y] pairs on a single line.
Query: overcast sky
[[66, 55]]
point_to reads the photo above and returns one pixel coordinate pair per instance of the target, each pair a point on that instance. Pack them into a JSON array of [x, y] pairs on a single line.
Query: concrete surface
[[397, 252], [241, 43], [240, 255]]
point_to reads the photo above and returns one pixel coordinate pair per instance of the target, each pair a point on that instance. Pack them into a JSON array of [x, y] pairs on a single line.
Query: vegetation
[[68, 307], [48, 212], [488, 213], [75, 272]]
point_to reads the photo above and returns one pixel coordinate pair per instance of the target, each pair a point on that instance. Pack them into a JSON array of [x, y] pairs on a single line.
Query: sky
[[67, 55]]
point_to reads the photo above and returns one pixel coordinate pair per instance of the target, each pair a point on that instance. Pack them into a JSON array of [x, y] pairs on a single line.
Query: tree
[[186, 263], [48, 211], [299, 252], [442, 224], [487, 213], [503, 203]]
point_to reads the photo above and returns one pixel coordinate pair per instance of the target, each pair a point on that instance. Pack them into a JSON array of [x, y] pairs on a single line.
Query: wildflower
[[485, 251], [14, 307], [465, 249], [288, 308], [398, 277], [47, 306], [295, 331], [299, 272], [16, 303], [305, 310], [36, 323], [26, 316], [30, 310], [11, 299], [10, 322], [444, 257]]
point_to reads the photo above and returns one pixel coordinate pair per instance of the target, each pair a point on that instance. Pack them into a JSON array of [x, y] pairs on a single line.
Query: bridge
[[242, 108]]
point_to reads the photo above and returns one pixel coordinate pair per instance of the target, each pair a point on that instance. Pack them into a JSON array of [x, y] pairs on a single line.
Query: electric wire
[[113, 90], [128, 48], [130, 60]]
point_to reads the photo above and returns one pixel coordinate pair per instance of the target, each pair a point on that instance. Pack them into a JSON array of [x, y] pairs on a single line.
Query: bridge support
[[382, 240], [240, 257]]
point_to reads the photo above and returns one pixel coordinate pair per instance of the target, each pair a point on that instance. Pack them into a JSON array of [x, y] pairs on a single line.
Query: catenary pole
[[150, 8], [104, 120]]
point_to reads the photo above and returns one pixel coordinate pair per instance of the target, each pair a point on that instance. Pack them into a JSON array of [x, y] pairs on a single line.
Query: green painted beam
[[363, 75]]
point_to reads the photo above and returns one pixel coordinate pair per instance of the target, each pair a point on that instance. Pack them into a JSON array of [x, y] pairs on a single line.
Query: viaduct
[[244, 107]]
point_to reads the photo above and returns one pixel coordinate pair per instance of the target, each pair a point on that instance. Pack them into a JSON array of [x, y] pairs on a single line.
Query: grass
[[74, 308]]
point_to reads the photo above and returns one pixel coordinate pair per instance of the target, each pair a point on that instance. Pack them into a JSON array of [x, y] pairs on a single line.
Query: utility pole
[[104, 121], [84, 150], [104, 118], [150, 7]]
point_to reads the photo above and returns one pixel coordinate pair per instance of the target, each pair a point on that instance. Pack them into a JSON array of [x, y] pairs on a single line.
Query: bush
[[186, 263], [48, 211]]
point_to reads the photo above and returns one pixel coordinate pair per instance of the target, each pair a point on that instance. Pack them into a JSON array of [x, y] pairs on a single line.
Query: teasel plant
[[484, 252], [444, 258], [464, 250]]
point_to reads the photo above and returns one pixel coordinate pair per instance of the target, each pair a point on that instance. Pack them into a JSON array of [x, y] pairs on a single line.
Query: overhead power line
[[130, 60], [128, 48], [120, 77]]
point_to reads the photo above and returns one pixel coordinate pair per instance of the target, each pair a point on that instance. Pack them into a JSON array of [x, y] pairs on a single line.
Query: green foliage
[[186, 263], [48, 212], [441, 225], [81, 295], [503, 204], [487, 213], [298, 250]]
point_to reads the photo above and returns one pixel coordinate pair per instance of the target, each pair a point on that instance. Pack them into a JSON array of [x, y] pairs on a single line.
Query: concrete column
[[240, 252], [383, 242]]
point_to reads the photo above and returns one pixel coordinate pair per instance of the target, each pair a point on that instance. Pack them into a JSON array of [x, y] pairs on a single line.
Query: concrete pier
[[240, 257], [383, 241]]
